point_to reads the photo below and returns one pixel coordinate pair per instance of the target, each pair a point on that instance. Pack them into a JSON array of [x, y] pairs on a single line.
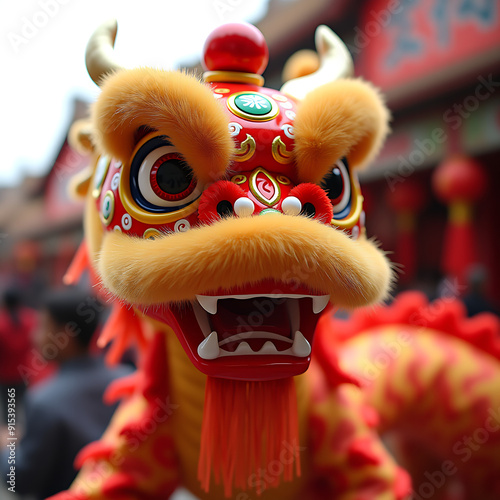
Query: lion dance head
[[230, 212]]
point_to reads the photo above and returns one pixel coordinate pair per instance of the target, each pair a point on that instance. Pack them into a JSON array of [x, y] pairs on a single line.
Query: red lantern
[[459, 181], [406, 200]]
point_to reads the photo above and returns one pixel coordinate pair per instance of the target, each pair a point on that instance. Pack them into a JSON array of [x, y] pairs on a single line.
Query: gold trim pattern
[[246, 149], [222, 91], [234, 77], [247, 116], [239, 178], [256, 192], [106, 219], [280, 153], [283, 180], [151, 233]]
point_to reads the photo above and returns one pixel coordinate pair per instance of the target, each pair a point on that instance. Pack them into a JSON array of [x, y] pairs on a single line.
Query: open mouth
[[247, 334], [250, 325]]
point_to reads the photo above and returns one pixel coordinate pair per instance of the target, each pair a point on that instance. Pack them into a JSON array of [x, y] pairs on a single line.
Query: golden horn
[[99, 56], [335, 62]]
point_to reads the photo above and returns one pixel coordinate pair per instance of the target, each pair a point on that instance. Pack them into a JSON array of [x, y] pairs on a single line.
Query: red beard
[[246, 428]]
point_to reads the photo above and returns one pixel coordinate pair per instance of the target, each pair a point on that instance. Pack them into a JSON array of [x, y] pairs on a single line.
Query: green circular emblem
[[108, 207], [253, 104]]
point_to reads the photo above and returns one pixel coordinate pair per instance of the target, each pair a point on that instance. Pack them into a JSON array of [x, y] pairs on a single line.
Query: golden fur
[[80, 136], [173, 103], [342, 118], [235, 252], [302, 63]]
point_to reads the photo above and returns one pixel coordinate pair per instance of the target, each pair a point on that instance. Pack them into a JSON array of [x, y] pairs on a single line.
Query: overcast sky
[[42, 61]]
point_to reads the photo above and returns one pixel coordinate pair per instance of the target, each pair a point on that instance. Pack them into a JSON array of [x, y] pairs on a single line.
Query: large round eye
[[337, 185], [160, 178], [170, 178]]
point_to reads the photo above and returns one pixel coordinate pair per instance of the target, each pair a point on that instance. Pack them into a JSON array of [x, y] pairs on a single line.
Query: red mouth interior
[[254, 317], [240, 316]]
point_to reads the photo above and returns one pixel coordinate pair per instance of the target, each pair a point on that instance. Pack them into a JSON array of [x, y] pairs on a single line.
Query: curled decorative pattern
[[181, 226], [288, 130], [246, 149], [283, 180], [280, 153], [234, 128], [239, 178]]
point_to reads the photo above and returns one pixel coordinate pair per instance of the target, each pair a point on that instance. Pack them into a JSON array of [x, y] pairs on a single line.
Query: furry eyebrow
[[142, 132], [345, 118], [177, 105]]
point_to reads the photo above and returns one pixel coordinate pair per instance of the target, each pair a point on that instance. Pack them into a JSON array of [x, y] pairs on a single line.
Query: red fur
[[413, 308], [246, 416]]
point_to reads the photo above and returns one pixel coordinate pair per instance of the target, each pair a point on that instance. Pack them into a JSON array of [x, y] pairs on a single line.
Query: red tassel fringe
[[246, 427]]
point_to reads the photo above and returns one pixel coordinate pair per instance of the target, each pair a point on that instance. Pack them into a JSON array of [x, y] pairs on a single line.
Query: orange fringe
[[78, 265], [123, 328], [246, 428]]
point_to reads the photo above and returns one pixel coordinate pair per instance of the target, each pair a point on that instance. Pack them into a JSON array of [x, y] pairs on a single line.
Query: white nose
[[291, 206], [243, 207]]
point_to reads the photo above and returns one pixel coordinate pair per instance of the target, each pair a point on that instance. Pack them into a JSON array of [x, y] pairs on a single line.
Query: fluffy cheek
[[231, 254]]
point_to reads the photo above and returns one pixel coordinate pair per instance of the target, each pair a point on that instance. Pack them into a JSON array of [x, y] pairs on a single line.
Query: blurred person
[[475, 299], [66, 412], [17, 324]]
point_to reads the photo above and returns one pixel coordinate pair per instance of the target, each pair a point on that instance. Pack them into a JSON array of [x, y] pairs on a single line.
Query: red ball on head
[[236, 47]]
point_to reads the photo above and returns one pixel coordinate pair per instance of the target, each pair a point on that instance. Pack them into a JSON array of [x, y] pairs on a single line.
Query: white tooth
[[243, 348], [209, 348], [268, 348], [202, 318], [293, 309], [320, 302], [208, 302], [301, 346]]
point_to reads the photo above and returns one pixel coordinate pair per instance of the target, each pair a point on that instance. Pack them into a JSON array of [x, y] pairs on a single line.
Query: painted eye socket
[[160, 177], [337, 185]]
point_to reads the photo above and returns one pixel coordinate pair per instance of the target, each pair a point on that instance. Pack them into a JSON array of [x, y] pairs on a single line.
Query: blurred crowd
[[52, 380]]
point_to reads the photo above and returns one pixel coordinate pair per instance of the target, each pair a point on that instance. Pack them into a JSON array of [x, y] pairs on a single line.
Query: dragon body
[[223, 217]]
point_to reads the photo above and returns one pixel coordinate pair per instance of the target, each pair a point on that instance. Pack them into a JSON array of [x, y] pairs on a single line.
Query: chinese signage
[[408, 45]]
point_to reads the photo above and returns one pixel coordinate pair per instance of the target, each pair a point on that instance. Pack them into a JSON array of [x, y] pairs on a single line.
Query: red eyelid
[[154, 182]]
